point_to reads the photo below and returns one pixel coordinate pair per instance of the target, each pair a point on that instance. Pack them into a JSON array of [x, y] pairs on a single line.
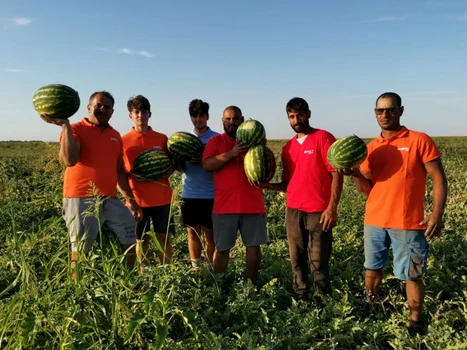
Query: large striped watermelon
[[56, 101], [251, 132], [347, 152], [152, 165], [260, 164], [186, 145]]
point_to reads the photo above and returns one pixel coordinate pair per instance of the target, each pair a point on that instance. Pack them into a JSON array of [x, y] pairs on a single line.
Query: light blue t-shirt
[[197, 182]]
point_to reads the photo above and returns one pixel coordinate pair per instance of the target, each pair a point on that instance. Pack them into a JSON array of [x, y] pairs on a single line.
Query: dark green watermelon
[[56, 101]]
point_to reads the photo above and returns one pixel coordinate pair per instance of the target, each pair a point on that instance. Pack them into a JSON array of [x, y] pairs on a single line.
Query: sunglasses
[[391, 110]]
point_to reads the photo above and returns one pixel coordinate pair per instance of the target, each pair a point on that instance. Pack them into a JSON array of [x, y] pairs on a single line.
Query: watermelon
[[260, 164], [56, 101], [186, 145], [152, 165], [251, 132], [347, 152]]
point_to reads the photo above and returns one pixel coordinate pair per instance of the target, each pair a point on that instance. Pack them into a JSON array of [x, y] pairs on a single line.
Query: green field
[[41, 307]]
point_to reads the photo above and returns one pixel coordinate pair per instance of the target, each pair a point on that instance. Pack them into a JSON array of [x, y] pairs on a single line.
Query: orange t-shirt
[[396, 168], [233, 194], [147, 194], [96, 171]]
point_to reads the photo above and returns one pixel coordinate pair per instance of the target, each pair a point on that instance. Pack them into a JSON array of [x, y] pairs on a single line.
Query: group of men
[[218, 200]]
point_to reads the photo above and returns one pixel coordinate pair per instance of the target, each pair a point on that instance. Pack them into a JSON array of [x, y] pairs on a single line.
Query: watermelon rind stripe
[[260, 164], [56, 101], [347, 152]]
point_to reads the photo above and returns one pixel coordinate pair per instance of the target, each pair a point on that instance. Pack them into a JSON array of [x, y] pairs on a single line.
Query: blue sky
[[338, 55]]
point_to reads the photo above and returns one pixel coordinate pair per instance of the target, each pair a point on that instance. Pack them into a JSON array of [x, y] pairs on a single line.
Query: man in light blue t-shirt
[[198, 191]]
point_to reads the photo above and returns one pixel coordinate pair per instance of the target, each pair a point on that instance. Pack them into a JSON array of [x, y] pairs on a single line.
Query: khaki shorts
[[252, 229], [84, 219]]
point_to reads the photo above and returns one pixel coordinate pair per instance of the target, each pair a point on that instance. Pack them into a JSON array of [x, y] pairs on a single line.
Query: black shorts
[[160, 220], [197, 212]]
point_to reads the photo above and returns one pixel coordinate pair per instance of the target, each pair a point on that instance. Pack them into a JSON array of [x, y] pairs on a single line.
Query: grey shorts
[[84, 218], [252, 229]]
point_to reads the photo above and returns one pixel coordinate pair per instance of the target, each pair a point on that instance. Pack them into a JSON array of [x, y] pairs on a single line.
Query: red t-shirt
[[307, 169], [233, 194], [147, 194], [96, 171]]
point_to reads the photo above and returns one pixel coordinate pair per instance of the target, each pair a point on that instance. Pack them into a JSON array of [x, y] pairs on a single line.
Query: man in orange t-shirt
[[238, 205], [393, 177], [155, 197], [92, 152]]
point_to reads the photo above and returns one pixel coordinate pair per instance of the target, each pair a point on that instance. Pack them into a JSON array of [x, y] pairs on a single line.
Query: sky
[[338, 55]]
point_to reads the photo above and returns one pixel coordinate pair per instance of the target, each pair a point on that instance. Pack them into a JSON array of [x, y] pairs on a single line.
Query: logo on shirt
[[403, 149], [114, 139], [309, 151], [156, 147]]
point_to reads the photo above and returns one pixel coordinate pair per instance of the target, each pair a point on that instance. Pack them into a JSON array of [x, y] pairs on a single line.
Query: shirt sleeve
[[211, 148], [286, 161], [427, 149], [365, 166], [75, 133], [328, 140], [165, 139]]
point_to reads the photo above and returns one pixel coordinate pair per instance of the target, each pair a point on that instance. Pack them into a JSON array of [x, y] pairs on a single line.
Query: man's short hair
[[395, 97], [138, 102], [297, 104], [198, 107], [104, 93]]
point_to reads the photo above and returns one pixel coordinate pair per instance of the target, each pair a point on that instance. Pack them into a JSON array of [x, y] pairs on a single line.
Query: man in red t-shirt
[[313, 192], [237, 204]]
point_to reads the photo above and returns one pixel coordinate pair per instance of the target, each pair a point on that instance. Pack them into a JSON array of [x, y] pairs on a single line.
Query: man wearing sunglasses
[[393, 177]]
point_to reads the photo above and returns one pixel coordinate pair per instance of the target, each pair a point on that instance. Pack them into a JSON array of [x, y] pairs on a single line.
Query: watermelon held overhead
[[152, 165], [259, 164], [56, 101], [251, 132], [186, 145], [347, 152]]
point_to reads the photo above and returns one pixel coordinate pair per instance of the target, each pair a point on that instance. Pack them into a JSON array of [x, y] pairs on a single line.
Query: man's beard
[[231, 133]]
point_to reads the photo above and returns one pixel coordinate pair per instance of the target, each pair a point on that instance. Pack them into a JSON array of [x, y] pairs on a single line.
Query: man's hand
[[328, 219], [433, 224], [355, 172], [260, 184], [239, 148], [55, 121], [135, 209]]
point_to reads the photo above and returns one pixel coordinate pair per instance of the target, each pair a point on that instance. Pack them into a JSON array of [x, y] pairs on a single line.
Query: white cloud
[[145, 53], [134, 52], [22, 21], [126, 51], [13, 70], [386, 19]]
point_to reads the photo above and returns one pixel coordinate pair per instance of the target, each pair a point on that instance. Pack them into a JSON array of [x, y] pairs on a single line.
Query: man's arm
[[329, 216], [363, 184], [217, 162], [69, 147], [440, 191], [124, 188]]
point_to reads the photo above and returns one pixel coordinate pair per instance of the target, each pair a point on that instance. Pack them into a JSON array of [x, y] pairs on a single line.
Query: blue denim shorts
[[410, 250]]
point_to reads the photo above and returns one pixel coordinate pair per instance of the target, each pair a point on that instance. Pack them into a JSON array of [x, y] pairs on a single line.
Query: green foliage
[[176, 307]]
